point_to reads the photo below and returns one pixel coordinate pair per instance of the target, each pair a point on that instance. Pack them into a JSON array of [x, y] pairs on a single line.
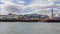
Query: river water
[[29, 28]]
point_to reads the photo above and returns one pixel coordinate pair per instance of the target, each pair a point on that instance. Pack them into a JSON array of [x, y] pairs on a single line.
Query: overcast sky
[[29, 6]]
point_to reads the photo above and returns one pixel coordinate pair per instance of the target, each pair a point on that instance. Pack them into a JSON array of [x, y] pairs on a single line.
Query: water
[[29, 28]]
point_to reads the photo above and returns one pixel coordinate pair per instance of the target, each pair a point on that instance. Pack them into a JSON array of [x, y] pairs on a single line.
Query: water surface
[[29, 28]]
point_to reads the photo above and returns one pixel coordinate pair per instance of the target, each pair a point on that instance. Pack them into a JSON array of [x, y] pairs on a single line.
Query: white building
[[57, 16], [9, 16]]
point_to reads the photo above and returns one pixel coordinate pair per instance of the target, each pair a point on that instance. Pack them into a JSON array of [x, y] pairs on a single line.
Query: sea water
[[29, 28]]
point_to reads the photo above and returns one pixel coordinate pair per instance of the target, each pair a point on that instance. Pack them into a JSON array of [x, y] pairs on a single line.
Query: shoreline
[[29, 20]]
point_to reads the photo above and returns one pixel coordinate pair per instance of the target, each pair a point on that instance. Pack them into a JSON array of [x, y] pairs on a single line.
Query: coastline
[[29, 20]]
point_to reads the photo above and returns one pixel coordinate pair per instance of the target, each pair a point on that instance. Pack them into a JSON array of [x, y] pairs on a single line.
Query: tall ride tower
[[52, 16]]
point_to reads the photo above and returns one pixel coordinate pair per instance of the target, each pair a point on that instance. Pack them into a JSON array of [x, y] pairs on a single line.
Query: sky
[[22, 7]]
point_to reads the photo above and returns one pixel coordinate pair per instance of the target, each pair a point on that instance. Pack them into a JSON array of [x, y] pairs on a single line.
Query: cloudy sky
[[29, 6]]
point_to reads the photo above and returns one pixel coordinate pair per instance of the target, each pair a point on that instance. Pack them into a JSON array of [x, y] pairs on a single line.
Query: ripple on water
[[29, 28]]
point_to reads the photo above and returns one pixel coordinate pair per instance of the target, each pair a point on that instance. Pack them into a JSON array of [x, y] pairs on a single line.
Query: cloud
[[43, 4], [37, 6], [9, 6]]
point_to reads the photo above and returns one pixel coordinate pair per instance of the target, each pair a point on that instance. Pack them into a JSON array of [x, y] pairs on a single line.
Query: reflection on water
[[29, 28]]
